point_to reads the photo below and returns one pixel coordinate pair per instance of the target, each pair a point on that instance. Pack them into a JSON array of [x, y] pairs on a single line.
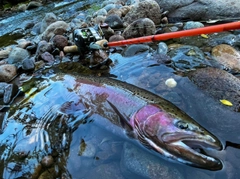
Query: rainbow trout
[[153, 121]]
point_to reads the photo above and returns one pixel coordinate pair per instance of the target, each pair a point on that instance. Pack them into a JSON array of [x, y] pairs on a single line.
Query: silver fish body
[[154, 121]]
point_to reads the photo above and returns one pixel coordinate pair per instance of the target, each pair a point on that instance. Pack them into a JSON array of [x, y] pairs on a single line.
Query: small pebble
[[28, 64], [7, 72], [47, 161], [171, 83], [162, 48], [116, 37], [46, 56], [192, 25], [70, 49], [5, 53], [60, 41], [33, 4]]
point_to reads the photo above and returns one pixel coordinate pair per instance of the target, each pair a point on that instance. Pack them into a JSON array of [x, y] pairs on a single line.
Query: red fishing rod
[[85, 38], [178, 34]]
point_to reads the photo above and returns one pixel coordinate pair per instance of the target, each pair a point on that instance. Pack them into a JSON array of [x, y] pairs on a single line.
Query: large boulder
[[200, 9], [139, 28], [145, 9]]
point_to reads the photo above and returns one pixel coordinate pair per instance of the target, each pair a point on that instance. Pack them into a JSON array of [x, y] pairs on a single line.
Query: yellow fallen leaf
[[204, 36], [226, 102]]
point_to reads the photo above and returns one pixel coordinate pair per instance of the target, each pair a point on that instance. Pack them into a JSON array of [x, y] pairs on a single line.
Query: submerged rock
[[219, 84], [187, 57], [134, 49], [49, 174], [108, 170], [212, 40], [140, 164], [87, 149], [227, 56]]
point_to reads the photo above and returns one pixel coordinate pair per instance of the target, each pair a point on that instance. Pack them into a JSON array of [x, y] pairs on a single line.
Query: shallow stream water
[[84, 149]]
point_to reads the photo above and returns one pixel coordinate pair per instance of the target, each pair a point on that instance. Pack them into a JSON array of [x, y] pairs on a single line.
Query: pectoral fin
[[123, 120]]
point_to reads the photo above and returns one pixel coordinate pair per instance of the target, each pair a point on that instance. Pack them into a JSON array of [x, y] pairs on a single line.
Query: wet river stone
[[162, 48], [4, 53], [47, 57], [33, 4], [227, 56], [212, 40], [192, 25], [136, 163], [201, 10], [139, 28], [60, 41], [7, 72], [125, 10], [114, 21], [115, 11], [47, 20], [219, 84], [145, 9], [187, 57], [28, 64], [56, 28], [42, 47], [17, 55], [134, 49], [100, 12], [116, 37]]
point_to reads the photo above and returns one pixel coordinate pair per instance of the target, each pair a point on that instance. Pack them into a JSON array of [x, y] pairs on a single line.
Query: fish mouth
[[192, 149]]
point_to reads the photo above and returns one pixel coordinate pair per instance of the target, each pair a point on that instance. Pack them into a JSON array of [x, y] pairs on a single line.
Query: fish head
[[176, 136]]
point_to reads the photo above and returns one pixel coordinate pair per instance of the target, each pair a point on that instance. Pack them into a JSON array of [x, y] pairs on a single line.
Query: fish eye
[[182, 125]]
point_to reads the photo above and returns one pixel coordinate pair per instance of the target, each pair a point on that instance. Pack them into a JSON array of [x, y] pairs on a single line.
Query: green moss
[[9, 39], [95, 7], [7, 6]]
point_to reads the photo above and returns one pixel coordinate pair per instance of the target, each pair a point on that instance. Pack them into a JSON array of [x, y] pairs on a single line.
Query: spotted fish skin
[[153, 121]]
